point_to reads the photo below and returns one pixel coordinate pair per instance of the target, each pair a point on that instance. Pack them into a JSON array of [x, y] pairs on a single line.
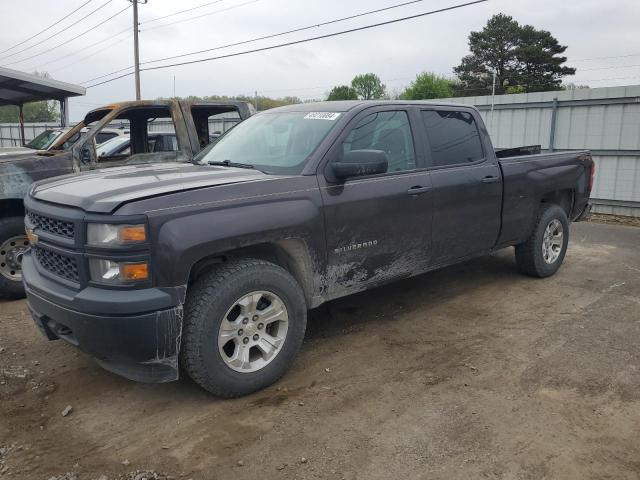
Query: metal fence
[[603, 120], [10, 132]]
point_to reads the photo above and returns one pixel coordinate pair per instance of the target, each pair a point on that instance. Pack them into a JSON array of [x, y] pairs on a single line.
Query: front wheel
[[244, 323], [543, 252], [13, 244]]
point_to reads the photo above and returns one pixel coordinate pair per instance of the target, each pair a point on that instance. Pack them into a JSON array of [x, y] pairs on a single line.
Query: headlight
[[105, 234], [118, 273]]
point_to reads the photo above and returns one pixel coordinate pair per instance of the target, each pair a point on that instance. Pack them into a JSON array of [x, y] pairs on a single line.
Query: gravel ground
[[470, 372]]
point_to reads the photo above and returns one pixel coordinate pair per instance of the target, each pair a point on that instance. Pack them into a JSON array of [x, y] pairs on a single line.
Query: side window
[[453, 137], [387, 131], [212, 121]]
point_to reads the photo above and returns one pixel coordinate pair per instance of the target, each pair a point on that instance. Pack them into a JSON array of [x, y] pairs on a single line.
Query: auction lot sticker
[[331, 116]]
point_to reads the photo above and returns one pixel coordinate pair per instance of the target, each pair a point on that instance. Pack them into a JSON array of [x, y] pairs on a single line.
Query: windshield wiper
[[229, 163]]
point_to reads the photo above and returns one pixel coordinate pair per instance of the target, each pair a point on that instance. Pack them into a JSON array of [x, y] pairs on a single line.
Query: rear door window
[[453, 137]]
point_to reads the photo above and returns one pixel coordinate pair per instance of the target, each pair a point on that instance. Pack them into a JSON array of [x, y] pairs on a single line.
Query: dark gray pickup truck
[[75, 151], [213, 265]]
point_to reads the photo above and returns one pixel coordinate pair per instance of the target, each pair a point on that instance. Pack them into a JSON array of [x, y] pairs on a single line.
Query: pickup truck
[[75, 151], [213, 265]]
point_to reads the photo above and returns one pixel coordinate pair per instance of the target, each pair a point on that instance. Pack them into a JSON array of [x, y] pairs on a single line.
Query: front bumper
[[133, 333]]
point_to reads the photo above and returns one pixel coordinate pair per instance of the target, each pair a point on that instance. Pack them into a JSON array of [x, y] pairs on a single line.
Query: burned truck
[[76, 151]]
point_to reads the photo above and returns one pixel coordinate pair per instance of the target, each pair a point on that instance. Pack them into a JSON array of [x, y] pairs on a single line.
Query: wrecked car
[[213, 265], [45, 140], [75, 150]]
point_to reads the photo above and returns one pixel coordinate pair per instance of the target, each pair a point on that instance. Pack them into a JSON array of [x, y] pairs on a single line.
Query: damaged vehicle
[[75, 150], [45, 140], [213, 265]]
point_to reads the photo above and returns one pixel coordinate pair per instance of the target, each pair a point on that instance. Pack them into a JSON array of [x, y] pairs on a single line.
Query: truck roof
[[347, 105]]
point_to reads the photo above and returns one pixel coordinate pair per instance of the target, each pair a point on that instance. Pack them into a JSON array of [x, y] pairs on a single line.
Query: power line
[[108, 74], [606, 57], [611, 67], [71, 39], [47, 28], [265, 37], [58, 32], [182, 11], [320, 87], [200, 16], [297, 42], [55, 60], [295, 30], [91, 55]]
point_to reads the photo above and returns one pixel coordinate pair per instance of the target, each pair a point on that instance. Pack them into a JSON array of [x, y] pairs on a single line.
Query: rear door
[[467, 184], [377, 226]]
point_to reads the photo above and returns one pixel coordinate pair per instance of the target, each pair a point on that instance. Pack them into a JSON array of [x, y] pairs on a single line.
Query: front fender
[[185, 240], [17, 175]]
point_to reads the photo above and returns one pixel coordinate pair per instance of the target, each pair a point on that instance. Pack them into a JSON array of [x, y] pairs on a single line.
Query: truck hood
[[102, 191], [15, 151], [12, 156]]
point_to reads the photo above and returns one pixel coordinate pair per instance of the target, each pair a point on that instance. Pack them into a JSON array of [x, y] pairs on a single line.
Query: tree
[[368, 86], [429, 85], [573, 86], [264, 103], [539, 66], [45, 111], [520, 56], [342, 92]]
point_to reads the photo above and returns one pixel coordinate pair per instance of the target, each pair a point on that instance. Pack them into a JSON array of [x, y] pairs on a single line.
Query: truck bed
[[526, 178]]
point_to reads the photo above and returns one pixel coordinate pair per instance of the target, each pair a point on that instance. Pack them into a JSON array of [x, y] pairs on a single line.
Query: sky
[[396, 53]]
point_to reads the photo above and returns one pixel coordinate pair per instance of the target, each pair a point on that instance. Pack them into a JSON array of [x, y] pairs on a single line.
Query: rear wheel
[[13, 244], [244, 323], [543, 252]]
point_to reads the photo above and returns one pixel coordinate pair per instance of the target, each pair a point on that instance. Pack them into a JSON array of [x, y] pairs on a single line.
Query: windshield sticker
[[331, 116]]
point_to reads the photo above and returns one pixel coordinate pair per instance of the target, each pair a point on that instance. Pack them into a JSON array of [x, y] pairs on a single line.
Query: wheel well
[[290, 254], [11, 207], [562, 198]]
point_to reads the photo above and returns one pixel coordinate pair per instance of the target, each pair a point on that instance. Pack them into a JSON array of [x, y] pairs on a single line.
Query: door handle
[[418, 190], [489, 179]]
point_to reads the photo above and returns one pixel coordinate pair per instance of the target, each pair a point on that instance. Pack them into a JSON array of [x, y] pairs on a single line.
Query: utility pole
[[136, 53], [493, 96], [255, 100]]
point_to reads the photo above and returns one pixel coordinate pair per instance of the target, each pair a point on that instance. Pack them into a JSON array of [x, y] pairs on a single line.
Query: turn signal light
[[132, 233], [134, 271]]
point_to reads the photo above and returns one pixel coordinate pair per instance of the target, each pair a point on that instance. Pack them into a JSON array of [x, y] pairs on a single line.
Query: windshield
[[44, 140], [272, 142]]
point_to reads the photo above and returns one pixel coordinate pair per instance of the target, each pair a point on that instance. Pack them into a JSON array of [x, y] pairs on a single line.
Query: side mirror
[[357, 163]]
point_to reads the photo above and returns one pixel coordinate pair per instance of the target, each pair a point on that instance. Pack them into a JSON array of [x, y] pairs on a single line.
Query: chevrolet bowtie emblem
[[33, 238]]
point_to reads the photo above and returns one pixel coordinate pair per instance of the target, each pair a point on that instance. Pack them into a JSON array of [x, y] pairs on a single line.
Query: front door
[[378, 226]]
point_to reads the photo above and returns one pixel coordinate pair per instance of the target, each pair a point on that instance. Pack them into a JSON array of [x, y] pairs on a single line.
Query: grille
[[51, 225], [61, 265]]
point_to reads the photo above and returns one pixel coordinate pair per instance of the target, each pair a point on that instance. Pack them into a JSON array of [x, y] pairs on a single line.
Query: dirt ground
[[470, 372]]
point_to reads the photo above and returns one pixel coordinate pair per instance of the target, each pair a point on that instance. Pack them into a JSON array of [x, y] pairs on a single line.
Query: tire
[[13, 243], [215, 298], [537, 257]]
